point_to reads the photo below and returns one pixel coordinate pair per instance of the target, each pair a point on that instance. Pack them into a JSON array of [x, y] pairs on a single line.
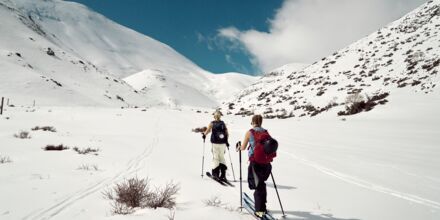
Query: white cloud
[[306, 30], [230, 32]]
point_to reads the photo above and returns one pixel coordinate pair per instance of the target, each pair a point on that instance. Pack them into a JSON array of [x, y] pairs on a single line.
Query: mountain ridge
[[88, 56], [404, 54]]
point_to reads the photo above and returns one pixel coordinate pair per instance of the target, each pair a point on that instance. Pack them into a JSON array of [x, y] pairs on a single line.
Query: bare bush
[[93, 167], [214, 201], [354, 98], [309, 107], [5, 159], [23, 135], [86, 150], [164, 197], [55, 147], [44, 128], [121, 209], [358, 105], [135, 192]]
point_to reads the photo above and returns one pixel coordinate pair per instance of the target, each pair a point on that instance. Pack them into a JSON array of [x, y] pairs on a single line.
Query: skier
[[219, 140], [258, 172]]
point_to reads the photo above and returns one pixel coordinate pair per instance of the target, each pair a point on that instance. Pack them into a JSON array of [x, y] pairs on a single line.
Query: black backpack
[[218, 135]]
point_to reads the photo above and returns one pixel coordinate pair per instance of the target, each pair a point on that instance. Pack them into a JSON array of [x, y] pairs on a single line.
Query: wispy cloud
[[237, 66], [205, 40], [229, 45], [223, 40], [306, 30]]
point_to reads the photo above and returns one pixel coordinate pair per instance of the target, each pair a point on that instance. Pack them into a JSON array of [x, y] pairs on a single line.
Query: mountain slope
[[403, 55], [34, 68], [89, 56]]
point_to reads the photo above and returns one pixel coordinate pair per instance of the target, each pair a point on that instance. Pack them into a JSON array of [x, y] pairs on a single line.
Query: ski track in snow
[[133, 165], [305, 145], [365, 184]]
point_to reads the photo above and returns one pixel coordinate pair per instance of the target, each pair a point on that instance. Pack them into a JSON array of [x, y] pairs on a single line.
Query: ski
[[228, 183], [249, 205], [249, 208], [215, 179], [223, 182]]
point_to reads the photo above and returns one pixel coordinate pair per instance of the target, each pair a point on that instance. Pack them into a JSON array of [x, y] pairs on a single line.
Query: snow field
[[366, 167]]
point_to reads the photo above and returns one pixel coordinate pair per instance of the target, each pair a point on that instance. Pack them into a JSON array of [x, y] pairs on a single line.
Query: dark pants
[[257, 175]]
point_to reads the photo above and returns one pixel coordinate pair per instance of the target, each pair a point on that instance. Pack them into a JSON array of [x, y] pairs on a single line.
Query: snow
[[92, 56], [289, 68], [380, 165], [162, 87], [404, 55], [375, 166]]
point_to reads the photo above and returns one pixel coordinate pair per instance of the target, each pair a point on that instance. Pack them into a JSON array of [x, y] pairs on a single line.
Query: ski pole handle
[[238, 146]]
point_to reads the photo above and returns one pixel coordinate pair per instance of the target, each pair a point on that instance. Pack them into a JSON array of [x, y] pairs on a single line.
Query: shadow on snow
[[298, 215], [280, 186]]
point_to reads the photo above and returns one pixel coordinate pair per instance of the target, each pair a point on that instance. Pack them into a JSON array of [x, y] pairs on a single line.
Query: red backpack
[[265, 147]]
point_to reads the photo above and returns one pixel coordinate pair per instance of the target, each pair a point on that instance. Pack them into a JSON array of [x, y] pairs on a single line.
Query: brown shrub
[[55, 148], [44, 128], [135, 192], [23, 135], [86, 150], [358, 105], [5, 159], [164, 197]]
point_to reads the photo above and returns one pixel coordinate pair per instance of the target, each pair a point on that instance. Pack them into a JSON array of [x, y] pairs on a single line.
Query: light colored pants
[[218, 155]]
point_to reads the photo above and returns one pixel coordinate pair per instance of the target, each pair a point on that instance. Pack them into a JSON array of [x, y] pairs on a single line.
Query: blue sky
[[191, 26], [254, 36]]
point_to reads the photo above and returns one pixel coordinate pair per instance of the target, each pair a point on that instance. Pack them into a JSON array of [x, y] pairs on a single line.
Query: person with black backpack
[[262, 149], [219, 140]]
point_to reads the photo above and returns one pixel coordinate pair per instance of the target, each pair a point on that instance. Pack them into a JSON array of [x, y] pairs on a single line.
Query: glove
[[203, 136], [227, 145], [237, 146]]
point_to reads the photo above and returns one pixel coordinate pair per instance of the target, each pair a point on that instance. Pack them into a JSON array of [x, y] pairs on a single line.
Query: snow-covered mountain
[[405, 55], [62, 53]]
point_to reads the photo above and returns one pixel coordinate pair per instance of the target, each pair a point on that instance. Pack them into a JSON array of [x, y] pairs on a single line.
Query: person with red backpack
[[262, 149]]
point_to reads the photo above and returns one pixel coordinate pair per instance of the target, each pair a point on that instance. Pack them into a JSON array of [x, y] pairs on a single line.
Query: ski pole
[[273, 180], [241, 187], [232, 167], [203, 157]]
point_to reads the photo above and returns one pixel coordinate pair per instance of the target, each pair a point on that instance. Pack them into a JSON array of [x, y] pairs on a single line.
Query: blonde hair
[[257, 120], [217, 115]]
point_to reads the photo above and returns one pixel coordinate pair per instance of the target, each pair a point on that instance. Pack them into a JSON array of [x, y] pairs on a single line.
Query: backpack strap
[[253, 131], [254, 134]]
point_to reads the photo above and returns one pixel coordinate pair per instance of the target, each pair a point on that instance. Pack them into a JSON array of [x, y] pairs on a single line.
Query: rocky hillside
[[405, 55]]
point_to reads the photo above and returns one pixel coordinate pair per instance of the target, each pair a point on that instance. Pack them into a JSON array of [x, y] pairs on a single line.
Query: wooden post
[[1, 107]]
